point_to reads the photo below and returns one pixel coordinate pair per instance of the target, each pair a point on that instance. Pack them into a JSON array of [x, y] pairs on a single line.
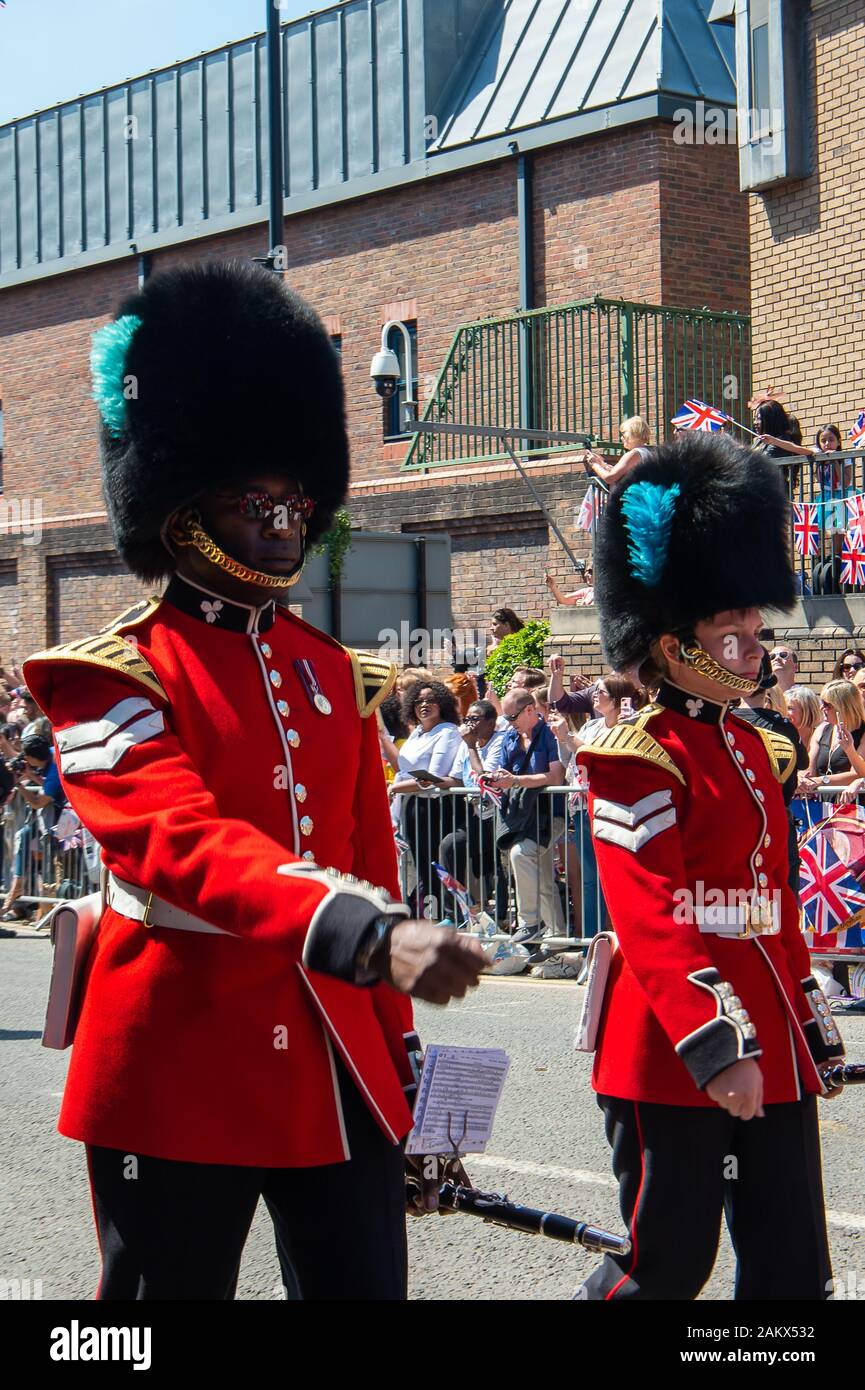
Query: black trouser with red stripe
[[172, 1230], [679, 1167]]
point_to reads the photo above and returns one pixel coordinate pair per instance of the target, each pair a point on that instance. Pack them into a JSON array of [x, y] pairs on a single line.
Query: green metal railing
[[583, 367]]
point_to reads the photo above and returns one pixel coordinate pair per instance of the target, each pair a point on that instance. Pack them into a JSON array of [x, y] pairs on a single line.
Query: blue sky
[[52, 50]]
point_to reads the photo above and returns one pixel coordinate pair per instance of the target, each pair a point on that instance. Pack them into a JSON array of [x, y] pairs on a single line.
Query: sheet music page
[[460, 1086]]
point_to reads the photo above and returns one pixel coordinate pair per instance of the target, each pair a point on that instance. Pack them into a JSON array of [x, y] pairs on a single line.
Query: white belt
[[739, 920], [142, 906]]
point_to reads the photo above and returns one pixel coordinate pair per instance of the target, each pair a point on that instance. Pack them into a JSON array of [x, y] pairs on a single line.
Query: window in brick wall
[[773, 89], [761, 105], [392, 409], [336, 341]]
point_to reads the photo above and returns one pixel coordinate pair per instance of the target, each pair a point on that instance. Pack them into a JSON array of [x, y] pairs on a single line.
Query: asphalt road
[[548, 1150]]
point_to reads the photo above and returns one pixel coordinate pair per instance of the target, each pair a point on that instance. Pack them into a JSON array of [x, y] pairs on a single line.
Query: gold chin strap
[[705, 665], [196, 536]]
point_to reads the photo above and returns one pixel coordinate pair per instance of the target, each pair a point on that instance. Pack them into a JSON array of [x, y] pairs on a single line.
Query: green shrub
[[337, 542], [523, 648]]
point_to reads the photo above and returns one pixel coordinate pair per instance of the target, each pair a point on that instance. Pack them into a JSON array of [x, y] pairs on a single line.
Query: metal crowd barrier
[[558, 887], [553, 885], [44, 870]]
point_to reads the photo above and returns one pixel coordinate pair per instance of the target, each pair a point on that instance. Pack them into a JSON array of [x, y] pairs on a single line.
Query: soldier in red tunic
[[713, 1029], [245, 1029]]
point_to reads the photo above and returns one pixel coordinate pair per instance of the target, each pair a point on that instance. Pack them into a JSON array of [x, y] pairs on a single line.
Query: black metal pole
[[525, 225], [274, 132]]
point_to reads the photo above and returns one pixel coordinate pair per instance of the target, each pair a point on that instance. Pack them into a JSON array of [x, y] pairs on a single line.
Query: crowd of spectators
[[524, 856]]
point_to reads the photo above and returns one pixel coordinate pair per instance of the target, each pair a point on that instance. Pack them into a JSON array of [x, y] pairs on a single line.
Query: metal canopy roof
[[546, 59], [376, 94]]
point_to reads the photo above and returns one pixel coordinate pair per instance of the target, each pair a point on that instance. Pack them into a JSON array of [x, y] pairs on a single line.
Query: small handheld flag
[[493, 794], [453, 885], [857, 434], [588, 511], [698, 415]]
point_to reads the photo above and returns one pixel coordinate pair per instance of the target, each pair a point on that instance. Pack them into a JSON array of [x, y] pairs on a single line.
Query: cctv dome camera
[[384, 373]]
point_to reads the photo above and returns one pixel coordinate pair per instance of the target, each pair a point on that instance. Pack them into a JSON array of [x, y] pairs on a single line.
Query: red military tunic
[[689, 827], [190, 745]]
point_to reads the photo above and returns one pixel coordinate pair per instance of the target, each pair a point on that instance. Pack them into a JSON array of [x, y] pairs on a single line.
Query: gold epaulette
[[782, 753], [109, 650], [374, 679], [630, 740]]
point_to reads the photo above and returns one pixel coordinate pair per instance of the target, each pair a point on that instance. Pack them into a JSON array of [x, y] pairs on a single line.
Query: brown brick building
[[411, 212], [807, 256]]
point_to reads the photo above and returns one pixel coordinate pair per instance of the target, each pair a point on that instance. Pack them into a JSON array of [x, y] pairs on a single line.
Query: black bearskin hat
[[700, 527], [209, 374]]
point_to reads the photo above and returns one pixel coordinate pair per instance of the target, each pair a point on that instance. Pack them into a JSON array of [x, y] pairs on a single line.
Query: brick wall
[[501, 543], [808, 262], [702, 263], [85, 591], [623, 217]]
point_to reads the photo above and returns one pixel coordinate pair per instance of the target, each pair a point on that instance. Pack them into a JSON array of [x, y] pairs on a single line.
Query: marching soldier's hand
[[425, 1174], [835, 1088], [739, 1089], [432, 963]]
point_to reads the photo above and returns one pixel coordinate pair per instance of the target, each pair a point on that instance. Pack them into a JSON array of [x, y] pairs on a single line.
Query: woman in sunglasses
[[849, 662], [835, 756]]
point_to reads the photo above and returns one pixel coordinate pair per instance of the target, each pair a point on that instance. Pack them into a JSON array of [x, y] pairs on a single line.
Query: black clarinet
[[844, 1074], [495, 1208]]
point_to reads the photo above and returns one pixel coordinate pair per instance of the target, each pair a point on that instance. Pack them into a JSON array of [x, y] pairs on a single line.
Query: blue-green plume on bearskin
[[108, 350], [648, 510]]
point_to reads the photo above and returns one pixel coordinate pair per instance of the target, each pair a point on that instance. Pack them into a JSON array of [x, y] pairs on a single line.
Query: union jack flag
[[697, 415], [493, 794], [829, 891], [857, 434], [806, 532], [853, 558], [588, 511], [856, 510], [453, 885]]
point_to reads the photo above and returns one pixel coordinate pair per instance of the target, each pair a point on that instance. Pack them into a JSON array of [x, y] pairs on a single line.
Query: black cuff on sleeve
[[342, 920], [725, 1039], [336, 934], [821, 1034]]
